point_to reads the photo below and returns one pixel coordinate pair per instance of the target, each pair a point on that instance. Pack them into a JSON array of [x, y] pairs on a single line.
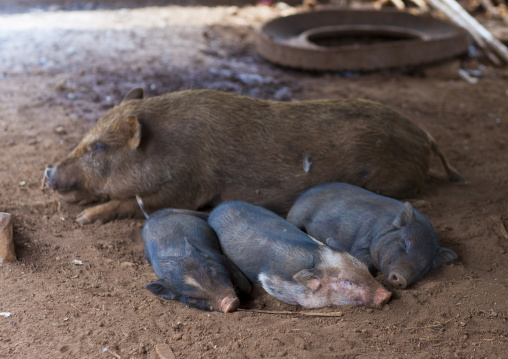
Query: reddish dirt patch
[[61, 68]]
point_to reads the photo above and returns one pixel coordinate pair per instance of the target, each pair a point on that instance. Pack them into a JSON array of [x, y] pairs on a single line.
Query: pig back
[[257, 240], [240, 148], [164, 235], [343, 212]]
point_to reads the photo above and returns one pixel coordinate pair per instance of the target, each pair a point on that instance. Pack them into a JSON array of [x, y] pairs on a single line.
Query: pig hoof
[[82, 218], [229, 304]]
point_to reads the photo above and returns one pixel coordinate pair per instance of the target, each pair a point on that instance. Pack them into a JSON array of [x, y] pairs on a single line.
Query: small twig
[[308, 314], [431, 325], [431, 339], [43, 180], [114, 354], [421, 4], [492, 10], [502, 229], [399, 4], [492, 47]]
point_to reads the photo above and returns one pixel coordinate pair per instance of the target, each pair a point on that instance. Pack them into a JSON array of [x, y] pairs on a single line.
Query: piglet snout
[[381, 297], [397, 279], [229, 304]]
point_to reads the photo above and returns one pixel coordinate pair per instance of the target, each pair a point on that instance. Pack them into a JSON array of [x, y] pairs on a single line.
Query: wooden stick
[[421, 4], [438, 4], [494, 43], [482, 36], [308, 314], [114, 354], [502, 229], [430, 326], [399, 4], [43, 182], [490, 8]]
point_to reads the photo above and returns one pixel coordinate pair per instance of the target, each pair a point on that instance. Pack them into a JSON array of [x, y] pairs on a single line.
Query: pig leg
[[119, 208], [105, 212]]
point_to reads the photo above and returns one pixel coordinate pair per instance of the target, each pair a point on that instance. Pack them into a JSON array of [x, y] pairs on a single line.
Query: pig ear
[[159, 288], [309, 278], [445, 255], [134, 94], [405, 216], [190, 247], [133, 132], [335, 245]]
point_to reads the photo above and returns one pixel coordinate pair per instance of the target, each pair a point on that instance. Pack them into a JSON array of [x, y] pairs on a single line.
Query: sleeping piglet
[[289, 264], [387, 235], [186, 258]]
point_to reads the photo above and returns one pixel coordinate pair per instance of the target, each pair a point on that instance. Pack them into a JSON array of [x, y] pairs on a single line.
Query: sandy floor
[[60, 69]]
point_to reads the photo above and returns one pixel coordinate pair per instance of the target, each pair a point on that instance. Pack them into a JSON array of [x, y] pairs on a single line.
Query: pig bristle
[[140, 202]]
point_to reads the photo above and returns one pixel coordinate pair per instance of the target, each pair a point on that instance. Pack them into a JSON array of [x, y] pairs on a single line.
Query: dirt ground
[[63, 64]]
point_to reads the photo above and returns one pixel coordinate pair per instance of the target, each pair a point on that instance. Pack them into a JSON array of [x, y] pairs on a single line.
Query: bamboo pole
[[493, 48]]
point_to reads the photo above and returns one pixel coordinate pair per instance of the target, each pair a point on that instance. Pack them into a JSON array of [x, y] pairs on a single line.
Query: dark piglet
[[185, 256], [195, 149], [387, 235], [289, 264]]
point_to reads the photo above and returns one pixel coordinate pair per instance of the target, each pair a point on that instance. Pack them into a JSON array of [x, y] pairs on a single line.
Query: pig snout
[[49, 176], [59, 183], [398, 279], [69, 191], [229, 304], [381, 297]]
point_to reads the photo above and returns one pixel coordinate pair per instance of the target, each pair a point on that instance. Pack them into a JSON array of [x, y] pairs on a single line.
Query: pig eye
[[405, 244], [208, 271], [99, 147]]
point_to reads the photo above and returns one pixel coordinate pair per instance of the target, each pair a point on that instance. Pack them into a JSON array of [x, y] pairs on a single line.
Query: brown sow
[[197, 148]]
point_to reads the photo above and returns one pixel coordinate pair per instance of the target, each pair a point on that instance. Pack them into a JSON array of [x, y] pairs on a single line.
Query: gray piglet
[[387, 235]]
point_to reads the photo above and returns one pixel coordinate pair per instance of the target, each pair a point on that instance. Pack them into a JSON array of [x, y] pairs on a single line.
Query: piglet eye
[[405, 244], [346, 282], [99, 147]]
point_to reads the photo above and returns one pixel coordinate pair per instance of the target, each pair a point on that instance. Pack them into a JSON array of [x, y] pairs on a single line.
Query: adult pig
[[185, 256], [289, 264], [198, 148], [386, 234]]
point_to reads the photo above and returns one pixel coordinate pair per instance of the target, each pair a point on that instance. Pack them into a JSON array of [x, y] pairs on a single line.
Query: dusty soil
[[62, 64]]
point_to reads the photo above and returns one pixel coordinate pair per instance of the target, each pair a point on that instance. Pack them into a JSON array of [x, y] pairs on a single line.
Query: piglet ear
[[190, 247], [159, 288], [335, 245], [134, 94], [132, 131], [445, 255], [309, 278], [405, 216]]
